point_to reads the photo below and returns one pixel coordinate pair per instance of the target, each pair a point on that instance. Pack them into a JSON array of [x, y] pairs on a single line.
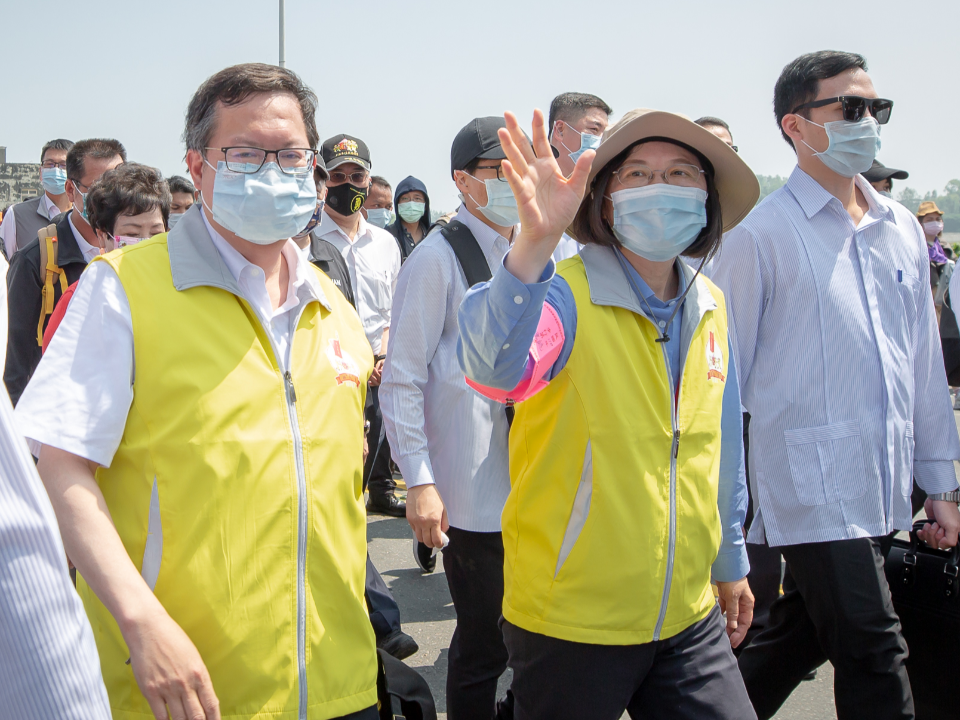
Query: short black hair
[[58, 144], [589, 225], [711, 121], [179, 184], [799, 81], [381, 181], [128, 189], [95, 148], [572, 106]]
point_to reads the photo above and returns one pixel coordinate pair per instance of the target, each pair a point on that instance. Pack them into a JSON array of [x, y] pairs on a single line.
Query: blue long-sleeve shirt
[[498, 321]]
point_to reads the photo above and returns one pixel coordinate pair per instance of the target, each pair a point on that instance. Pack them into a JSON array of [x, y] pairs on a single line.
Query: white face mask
[[932, 228], [501, 207]]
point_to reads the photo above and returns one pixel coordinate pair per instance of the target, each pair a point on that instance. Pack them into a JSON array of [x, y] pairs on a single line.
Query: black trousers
[[836, 606], [376, 469], [473, 563], [691, 676], [383, 609]]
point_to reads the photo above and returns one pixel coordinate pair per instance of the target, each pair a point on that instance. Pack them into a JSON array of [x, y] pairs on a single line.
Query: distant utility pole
[[283, 60]]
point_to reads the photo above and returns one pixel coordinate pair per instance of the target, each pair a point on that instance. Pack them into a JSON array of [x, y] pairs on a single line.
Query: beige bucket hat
[[736, 184]]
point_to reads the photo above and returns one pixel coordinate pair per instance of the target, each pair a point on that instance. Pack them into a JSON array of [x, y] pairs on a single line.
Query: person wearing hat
[[882, 177], [451, 443], [626, 456], [836, 341], [373, 262]]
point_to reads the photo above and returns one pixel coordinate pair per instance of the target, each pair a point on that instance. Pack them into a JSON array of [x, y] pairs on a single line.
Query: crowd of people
[[618, 391]]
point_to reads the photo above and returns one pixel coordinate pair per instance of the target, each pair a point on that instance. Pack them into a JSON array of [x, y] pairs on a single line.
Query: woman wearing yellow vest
[[626, 458]]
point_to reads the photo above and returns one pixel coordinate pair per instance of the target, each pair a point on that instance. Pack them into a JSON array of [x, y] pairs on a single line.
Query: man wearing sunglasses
[[373, 261], [832, 321]]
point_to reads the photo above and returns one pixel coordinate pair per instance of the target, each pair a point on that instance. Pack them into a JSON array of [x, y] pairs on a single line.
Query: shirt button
[[506, 345], [662, 323], [518, 300]]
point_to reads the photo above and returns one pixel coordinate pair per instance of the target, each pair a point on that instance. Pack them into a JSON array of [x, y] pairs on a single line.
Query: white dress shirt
[[840, 364], [373, 261], [440, 430], [566, 248], [8, 227], [81, 392], [49, 667], [89, 251]]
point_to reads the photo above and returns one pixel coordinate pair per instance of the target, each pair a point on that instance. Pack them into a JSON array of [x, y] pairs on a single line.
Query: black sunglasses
[[855, 107]]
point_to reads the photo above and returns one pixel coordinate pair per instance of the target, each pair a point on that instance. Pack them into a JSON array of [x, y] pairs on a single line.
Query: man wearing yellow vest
[[205, 459], [626, 458]]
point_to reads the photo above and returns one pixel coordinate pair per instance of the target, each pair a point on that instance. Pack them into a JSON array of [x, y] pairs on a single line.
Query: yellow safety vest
[[248, 485], [612, 524]]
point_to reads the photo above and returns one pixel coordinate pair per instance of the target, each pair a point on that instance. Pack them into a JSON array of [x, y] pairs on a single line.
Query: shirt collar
[[50, 207], [486, 236], [296, 263], [89, 251], [812, 197], [329, 225], [645, 290]]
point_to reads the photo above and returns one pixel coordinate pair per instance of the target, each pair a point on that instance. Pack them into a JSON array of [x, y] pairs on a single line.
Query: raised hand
[[546, 200]]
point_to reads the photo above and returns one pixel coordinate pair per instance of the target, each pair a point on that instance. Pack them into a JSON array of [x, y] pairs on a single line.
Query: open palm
[[546, 200]]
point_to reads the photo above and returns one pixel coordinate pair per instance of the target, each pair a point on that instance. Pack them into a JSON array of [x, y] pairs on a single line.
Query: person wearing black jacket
[[77, 245], [411, 204]]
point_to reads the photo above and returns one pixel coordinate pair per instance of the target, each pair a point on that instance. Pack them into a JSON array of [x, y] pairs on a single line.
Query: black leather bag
[[925, 587], [402, 693]]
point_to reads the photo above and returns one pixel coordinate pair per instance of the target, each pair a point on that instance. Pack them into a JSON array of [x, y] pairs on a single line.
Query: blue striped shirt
[[836, 341], [49, 667]]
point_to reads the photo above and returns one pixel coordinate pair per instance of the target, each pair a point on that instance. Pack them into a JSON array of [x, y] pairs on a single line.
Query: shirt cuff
[[416, 470], [935, 476], [513, 298], [731, 566]]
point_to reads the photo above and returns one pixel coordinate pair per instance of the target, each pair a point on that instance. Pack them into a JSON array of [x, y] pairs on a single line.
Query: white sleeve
[[81, 392], [48, 656], [8, 232]]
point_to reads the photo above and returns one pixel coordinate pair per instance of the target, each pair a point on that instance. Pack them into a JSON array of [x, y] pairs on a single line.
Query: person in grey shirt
[[835, 336]]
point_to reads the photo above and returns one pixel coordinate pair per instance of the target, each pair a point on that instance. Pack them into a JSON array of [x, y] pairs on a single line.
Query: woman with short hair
[[626, 458]]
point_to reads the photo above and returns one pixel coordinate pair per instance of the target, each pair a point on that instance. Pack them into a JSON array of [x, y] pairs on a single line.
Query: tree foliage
[[948, 201]]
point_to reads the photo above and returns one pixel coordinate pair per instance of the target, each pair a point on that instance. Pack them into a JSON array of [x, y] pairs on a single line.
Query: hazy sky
[[406, 76]]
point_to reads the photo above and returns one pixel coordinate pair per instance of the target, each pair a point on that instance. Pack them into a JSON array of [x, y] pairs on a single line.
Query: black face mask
[[346, 199]]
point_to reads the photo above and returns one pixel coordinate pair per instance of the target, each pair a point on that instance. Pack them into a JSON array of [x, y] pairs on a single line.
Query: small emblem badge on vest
[[714, 360], [343, 365]]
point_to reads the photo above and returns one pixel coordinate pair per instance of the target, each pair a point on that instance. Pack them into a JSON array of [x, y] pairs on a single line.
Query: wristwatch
[[953, 496]]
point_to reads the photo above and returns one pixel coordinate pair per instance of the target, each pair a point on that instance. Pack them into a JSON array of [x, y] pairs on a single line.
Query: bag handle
[[951, 568]]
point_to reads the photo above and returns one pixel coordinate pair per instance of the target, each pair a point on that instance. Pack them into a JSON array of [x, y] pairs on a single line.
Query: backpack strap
[[48, 270], [468, 252]]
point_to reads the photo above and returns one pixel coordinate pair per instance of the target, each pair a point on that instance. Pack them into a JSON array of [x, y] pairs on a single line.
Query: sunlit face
[[474, 189], [143, 226], [378, 197], [849, 82], [565, 135], [181, 202], [412, 196], [722, 133]]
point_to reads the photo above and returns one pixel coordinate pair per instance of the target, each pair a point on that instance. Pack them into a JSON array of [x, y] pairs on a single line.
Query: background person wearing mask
[[882, 177], [412, 206], [719, 128], [848, 394], [22, 221], [184, 195], [377, 206], [449, 441], [577, 122], [373, 261], [77, 245], [129, 204], [931, 220], [215, 518]]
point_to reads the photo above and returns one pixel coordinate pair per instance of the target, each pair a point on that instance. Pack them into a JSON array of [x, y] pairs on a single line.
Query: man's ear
[[790, 123]]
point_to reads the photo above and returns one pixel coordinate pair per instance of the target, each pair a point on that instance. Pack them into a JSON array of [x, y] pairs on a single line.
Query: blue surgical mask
[[265, 206], [852, 147], [501, 207], [587, 142], [54, 180], [658, 222], [379, 217]]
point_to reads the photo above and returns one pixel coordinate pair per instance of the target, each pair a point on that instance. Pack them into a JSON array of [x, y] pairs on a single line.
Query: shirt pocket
[[826, 463]]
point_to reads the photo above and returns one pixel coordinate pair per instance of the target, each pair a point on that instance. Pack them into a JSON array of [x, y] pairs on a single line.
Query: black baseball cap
[[477, 139], [342, 149], [878, 171]]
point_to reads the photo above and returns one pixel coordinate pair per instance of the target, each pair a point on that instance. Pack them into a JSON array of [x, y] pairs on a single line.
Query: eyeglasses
[[635, 176], [50, 164], [500, 175], [855, 107], [292, 161], [355, 177]]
